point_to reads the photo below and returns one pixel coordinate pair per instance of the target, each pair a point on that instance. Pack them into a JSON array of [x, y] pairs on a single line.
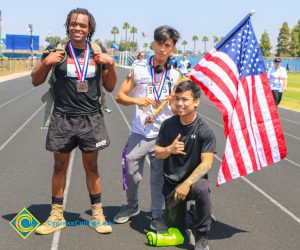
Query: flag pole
[[241, 23]]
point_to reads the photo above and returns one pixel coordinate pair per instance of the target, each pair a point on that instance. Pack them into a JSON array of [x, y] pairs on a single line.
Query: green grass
[[291, 98]]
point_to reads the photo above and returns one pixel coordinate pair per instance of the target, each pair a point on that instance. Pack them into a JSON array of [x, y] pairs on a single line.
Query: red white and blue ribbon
[[81, 73], [157, 91]]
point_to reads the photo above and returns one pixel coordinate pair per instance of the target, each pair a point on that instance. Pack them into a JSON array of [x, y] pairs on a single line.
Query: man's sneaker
[[190, 238], [98, 221], [107, 110], [201, 242], [125, 213], [55, 221], [158, 224]]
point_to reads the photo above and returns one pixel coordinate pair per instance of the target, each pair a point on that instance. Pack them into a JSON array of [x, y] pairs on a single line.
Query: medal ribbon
[[160, 88], [81, 73], [125, 186]]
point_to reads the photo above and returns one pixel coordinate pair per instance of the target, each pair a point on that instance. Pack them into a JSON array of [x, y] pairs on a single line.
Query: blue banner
[[22, 42]]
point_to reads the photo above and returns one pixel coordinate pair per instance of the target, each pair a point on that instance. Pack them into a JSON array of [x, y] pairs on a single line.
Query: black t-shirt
[[66, 98], [198, 137]]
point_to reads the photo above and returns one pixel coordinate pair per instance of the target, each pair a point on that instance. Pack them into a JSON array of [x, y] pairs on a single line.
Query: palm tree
[[126, 26], [205, 40], [184, 43], [145, 46], [133, 31], [195, 39], [114, 31], [216, 40]]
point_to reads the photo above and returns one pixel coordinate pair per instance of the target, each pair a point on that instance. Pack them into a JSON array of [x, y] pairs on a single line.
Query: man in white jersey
[[278, 80], [149, 84], [184, 65]]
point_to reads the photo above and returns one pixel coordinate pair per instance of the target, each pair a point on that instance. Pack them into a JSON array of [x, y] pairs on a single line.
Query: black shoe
[[201, 242], [158, 224]]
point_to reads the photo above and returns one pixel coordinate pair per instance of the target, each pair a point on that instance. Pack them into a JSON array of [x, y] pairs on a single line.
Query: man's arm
[[201, 170], [109, 75], [177, 147], [40, 71], [124, 98]]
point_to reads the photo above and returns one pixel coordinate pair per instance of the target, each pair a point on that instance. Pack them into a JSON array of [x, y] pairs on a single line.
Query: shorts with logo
[[67, 132]]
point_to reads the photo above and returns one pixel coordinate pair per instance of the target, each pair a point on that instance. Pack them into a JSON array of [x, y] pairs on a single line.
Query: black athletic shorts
[[67, 132]]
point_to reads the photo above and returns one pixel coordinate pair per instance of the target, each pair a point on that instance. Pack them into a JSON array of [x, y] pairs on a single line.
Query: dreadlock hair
[[92, 22]]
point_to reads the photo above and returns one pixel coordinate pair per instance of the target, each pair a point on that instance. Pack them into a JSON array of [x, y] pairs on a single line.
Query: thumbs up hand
[[177, 147]]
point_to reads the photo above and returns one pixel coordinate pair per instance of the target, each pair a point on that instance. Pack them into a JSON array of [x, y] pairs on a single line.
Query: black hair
[[92, 22], [139, 55], [163, 33], [189, 85]]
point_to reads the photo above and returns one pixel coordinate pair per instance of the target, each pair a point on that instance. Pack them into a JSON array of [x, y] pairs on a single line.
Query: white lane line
[[288, 120], [296, 164], [276, 203], [126, 121], [17, 97], [20, 128], [56, 235], [124, 117], [281, 207], [295, 137], [219, 124]]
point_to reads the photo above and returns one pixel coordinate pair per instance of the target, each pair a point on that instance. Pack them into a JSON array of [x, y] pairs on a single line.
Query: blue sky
[[189, 17]]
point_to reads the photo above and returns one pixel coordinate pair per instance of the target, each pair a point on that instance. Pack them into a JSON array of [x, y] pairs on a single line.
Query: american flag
[[144, 35], [234, 78]]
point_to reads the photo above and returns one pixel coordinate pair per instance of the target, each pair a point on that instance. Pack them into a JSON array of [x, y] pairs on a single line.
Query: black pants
[[277, 96], [176, 210]]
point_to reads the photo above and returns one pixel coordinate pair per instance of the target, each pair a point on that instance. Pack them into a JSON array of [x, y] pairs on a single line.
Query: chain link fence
[[11, 66]]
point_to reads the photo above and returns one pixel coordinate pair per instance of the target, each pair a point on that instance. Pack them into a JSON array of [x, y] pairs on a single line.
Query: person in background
[[187, 143], [173, 61], [278, 80], [76, 119], [147, 86], [141, 56], [184, 65]]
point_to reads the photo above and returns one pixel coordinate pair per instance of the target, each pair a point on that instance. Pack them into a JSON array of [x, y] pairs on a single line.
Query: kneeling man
[[187, 144]]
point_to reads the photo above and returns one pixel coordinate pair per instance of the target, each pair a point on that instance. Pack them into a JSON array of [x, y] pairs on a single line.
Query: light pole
[[31, 42], [0, 34]]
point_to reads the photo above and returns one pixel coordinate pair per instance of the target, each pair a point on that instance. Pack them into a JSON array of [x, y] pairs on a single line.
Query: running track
[[261, 211]]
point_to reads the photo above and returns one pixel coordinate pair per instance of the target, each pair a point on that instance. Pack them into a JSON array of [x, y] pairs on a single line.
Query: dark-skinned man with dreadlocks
[[76, 120]]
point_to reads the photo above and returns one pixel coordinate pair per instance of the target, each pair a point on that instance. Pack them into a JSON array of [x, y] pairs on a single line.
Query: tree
[[294, 43], [195, 39], [145, 46], [52, 39], [129, 44], [126, 26], [184, 43], [114, 31], [216, 39], [265, 44], [98, 41], [133, 31], [295, 40], [283, 48], [65, 40], [205, 40]]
